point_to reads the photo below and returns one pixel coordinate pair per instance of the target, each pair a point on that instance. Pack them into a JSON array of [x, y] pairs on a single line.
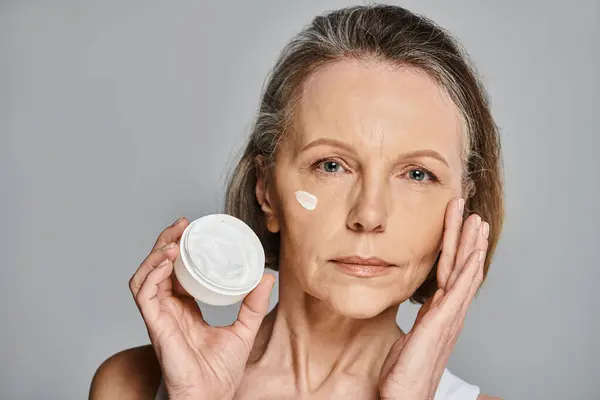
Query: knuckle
[[474, 255], [449, 312], [457, 332], [479, 279], [132, 284], [138, 297], [163, 234], [165, 231], [164, 248]]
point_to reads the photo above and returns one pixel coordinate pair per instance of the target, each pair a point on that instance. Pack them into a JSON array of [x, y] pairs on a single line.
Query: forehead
[[374, 105]]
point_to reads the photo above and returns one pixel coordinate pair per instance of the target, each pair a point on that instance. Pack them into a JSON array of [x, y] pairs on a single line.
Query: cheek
[[308, 225], [310, 207], [417, 224], [307, 236]]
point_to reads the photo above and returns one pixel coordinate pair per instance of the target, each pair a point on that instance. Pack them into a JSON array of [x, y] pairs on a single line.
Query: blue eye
[[331, 167], [417, 174]]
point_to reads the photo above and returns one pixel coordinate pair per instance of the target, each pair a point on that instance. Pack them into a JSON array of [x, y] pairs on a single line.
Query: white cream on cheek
[[306, 200]]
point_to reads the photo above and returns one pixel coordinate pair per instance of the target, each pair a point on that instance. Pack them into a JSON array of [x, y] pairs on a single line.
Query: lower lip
[[362, 271]]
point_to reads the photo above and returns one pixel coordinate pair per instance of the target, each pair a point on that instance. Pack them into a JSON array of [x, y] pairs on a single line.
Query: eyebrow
[[346, 146]]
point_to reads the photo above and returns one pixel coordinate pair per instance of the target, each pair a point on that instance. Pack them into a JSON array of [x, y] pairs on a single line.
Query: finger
[[171, 233], [482, 239], [167, 287], [483, 242], [452, 228], [146, 298], [177, 289], [432, 301], [253, 310], [190, 307], [477, 282], [458, 324], [459, 292], [150, 263], [174, 286], [475, 285], [468, 238]]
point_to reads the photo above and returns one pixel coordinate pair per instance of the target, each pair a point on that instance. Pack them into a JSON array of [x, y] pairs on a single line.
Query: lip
[[362, 267]]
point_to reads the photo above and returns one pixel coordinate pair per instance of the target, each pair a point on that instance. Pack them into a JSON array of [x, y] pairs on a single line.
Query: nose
[[369, 211]]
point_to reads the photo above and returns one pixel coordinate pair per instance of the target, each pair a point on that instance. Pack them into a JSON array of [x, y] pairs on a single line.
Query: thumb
[[253, 311]]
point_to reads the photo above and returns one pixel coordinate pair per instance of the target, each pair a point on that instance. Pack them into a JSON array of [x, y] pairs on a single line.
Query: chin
[[359, 310], [359, 304]]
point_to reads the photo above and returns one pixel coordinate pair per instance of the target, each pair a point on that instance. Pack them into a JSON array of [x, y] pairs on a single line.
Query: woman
[[376, 113]]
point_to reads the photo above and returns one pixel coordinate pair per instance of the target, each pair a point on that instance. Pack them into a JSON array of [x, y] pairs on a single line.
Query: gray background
[[119, 116]]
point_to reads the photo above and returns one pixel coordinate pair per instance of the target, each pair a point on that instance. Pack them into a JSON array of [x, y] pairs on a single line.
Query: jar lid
[[224, 252]]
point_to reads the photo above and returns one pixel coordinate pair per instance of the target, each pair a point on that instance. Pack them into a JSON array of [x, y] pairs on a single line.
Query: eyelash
[[317, 164]]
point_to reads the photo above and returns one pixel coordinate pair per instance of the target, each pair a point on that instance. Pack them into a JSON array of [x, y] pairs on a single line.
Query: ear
[[263, 195]]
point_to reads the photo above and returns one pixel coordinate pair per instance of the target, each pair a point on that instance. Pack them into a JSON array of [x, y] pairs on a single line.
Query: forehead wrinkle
[[324, 112], [374, 133], [313, 118]]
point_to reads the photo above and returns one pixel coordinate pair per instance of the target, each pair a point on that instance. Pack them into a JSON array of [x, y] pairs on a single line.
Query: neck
[[308, 338]]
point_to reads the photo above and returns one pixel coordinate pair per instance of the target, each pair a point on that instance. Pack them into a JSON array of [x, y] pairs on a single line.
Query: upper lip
[[374, 261]]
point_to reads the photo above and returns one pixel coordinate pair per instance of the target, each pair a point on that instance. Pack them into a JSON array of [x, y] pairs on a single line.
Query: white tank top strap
[[451, 387]]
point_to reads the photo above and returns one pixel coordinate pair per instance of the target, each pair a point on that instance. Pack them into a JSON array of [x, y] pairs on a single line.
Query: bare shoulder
[[129, 374], [487, 397]]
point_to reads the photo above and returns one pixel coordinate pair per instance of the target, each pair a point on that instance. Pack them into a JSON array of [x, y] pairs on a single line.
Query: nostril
[[367, 216], [359, 227]]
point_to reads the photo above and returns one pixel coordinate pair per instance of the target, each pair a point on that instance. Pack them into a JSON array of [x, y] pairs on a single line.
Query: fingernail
[[461, 205], [486, 230], [478, 222], [481, 256], [178, 221]]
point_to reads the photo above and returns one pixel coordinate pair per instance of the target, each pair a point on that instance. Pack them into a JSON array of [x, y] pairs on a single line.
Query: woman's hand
[[414, 366], [197, 360]]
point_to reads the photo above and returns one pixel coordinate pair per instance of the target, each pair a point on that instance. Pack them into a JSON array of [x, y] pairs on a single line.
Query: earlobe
[[272, 224]]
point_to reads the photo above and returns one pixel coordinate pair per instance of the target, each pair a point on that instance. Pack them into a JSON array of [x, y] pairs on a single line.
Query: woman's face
[[380, 149]]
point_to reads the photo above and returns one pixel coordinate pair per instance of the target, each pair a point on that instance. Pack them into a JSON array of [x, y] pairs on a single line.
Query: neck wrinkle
[[305, 337]]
